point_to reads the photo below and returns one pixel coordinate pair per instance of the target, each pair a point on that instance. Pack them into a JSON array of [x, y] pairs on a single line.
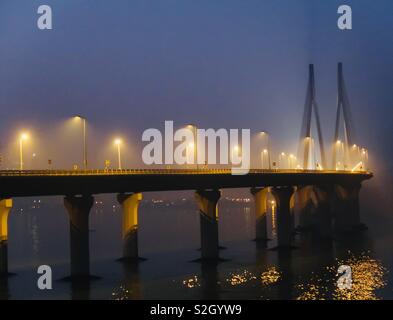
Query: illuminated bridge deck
[[14, 183]]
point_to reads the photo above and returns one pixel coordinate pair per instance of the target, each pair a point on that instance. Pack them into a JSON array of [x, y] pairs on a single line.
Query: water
[[169, 239]]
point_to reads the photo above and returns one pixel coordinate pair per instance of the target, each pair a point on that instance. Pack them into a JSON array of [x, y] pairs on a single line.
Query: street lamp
[[83, 119], [268, 149], [291, 161], [194, 128], [23, 137], [264, 153], [281, 160], [235, 153], [190, 148], [118, 143]]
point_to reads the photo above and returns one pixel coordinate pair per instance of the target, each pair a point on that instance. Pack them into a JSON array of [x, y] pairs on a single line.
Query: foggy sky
[[128, 65]]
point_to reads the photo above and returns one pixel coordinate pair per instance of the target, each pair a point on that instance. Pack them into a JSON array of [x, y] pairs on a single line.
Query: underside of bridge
[[323, 210]]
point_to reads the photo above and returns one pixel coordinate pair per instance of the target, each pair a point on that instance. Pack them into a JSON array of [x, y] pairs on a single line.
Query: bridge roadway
[[15, 183], [327, 201]]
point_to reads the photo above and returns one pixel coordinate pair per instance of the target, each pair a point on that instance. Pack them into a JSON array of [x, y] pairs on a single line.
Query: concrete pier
[[207, 202], [5, 207], [323, 215], [345, 207], [130, 204], [260, 200], [283, 197], [305, 208], [78, 209]]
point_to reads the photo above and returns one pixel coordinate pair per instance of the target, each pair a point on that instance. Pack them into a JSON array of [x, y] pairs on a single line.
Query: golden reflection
[[274, 227], [271, 276], [310, 292], [268, 277], [122, 293], [236, 279], [192, 282], [367, 277]]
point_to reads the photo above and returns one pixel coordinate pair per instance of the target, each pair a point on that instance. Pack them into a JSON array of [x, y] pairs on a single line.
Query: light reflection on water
[[169, 238], [192, 282], [236, 279], [368, 275], [270, 276]]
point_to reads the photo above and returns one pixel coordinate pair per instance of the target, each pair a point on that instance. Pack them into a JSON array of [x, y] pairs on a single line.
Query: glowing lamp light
[[79, 117]]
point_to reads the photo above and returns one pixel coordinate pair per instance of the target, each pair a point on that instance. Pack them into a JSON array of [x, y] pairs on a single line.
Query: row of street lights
[[117, 142], [24, 136], [265, 153]]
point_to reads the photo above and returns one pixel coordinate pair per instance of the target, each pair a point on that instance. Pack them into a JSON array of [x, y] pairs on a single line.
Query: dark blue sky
[[131, 64]]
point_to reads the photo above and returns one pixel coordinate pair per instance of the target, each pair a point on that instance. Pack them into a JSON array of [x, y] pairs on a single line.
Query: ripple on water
[[368, 275]]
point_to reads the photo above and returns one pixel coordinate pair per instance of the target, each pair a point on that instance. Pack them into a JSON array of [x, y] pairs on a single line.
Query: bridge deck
[[15, 183]]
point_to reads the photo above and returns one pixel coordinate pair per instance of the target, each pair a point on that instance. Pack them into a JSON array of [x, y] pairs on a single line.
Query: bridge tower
[[343, 109], [306, 145]]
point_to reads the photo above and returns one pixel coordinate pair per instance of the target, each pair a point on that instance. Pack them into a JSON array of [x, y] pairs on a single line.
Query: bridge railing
[[201, 171]]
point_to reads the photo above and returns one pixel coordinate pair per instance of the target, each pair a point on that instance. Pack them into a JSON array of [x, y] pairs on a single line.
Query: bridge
[[27, 183], [328, 202]]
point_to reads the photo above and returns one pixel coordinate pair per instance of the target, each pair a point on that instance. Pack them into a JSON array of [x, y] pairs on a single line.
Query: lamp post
[[194, 130], [23, 137], [264, 153], [281, 160], [364, 157], [83, 119], [267, 146], [118, 143], [190, 148], [235, 153], [291, 161]]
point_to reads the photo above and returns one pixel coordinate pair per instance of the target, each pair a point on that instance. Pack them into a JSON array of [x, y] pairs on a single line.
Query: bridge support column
[[207, 202], [130, 205], [284, 220], [78, 209], [5, 207], [323, 215], [345, 207], [260, 200], [305, 208]]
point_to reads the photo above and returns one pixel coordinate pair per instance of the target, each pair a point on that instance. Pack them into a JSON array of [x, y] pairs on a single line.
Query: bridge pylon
[[78, 209], [261, 211], [207, 202], [341, 149], [130, 206], [306, 143]]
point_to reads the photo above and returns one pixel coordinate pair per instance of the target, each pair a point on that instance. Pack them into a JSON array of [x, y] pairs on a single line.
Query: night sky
[[128, 65]]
